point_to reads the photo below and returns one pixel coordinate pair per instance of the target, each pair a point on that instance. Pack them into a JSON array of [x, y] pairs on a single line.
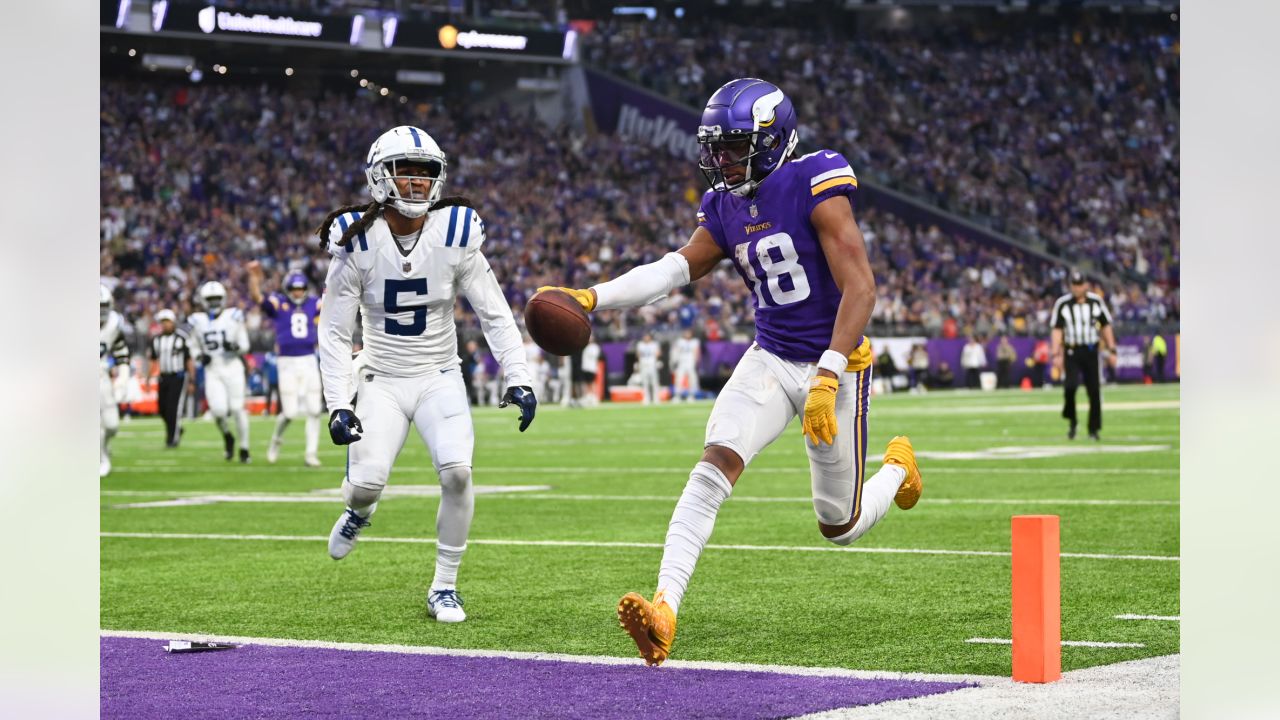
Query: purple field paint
[[141, 682]]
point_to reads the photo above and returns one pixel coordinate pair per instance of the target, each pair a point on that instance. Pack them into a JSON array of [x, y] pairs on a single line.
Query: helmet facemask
[[720, 153], [386, 177]]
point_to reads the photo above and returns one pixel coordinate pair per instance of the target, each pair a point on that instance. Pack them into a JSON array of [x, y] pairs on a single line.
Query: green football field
[[580, 512]]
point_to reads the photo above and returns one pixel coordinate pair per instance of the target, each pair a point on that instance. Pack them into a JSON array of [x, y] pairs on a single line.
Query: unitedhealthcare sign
[[211, 18], [642, 117]]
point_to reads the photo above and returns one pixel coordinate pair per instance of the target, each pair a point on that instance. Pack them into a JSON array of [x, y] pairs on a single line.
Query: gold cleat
[[899, 452], [651, 624]]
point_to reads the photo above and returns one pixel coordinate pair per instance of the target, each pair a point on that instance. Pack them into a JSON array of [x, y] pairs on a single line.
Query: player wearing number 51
[[399, 262], [294, 315], [221, 338], [787, 224]]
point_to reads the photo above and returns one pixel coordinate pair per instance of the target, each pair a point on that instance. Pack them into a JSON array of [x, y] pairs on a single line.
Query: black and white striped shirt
[[1080, 321], [171, 351]]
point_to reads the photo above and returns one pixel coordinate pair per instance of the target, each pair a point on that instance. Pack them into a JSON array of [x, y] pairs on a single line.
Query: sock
[[448, 558], [222, 424], [282, 423], [877, 495], [313, 434], [691, 525], [242, 428]]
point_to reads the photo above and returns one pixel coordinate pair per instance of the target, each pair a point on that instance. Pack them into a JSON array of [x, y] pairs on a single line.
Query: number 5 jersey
[[405, 299]]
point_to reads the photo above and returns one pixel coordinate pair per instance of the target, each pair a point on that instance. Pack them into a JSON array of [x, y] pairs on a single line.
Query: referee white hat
[[166, 314]]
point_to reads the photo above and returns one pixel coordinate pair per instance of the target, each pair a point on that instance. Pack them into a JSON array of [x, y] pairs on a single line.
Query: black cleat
[[1071, 433], [229, 442], [244, 456], [1094, 436]]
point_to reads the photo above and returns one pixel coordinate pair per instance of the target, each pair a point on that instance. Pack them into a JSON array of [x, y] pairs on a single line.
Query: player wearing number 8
[[787, 224], [294, 314], [399, 262]]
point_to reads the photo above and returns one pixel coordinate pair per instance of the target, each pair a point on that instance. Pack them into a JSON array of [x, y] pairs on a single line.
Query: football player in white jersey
[[686, 354], [647, 353], [221, 337], [113, 358], [399, 263]]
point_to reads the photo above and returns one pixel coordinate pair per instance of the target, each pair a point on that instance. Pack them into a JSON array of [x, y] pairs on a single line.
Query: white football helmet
[[105, 305], [404, 144], [212, 294]]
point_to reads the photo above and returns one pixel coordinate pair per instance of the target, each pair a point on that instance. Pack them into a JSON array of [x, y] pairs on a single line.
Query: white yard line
[[637, 545], [1029, 472], [557, 657], [529, 493], [1065, 643], [1167, 618]]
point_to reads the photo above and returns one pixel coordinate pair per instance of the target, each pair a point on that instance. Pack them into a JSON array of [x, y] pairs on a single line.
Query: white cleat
[[104, 467], [445, 606], [273, 450], [345, 533], [310, 460]]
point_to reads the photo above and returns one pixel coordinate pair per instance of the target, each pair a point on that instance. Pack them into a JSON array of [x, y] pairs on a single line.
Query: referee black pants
[[171, 385], [1082, 360]]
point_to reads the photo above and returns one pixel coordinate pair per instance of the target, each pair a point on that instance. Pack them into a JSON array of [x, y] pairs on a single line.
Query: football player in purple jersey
[[787, 225], [294, 315]]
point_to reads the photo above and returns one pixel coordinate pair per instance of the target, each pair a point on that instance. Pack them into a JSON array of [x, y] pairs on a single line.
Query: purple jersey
[[775, 248], [295, 323]]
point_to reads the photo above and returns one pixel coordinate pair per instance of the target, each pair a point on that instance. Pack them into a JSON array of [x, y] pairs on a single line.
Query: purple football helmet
[[295, 281], [748, 130]]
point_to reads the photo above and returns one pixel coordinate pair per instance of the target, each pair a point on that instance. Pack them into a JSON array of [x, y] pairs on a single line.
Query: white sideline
[[1136, 689], [1169, 618], [600, 544], [1065, 643], [559, 657], [1030, 473]]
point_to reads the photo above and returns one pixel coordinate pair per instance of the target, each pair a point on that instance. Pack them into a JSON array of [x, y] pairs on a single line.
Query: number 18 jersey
[[775, 249]]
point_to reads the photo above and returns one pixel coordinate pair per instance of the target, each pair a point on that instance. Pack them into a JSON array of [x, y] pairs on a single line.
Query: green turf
[[906, 612]]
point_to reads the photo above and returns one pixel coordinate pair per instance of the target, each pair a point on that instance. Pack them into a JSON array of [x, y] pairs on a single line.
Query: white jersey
[[222, 337], [685, 352], [110, 337], [590, 357], [647, 355], [405, 301]]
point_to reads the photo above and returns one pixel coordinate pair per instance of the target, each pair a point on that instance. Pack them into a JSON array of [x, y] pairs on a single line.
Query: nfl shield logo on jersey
[[754, 211], [406, 266]]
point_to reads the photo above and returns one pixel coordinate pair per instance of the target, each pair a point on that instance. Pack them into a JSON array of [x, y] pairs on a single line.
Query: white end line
[[1169, 618]]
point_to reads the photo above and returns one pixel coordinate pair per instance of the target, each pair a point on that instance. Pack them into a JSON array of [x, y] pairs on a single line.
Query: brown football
[[557, 322]]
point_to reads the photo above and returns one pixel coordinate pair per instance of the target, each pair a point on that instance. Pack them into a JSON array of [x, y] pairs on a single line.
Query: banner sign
[[462, 38], [642, 117], [216, 21]]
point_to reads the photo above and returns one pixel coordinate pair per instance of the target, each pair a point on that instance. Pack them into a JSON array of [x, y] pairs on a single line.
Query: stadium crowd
[[1063, 136], [198, 180]]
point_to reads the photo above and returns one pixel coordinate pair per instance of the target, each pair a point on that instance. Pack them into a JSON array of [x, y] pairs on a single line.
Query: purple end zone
[[140, 681]]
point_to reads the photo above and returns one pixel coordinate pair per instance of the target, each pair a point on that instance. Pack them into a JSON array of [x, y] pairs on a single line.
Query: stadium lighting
[[364, 82], [648, 12], [132, 52], [288, 72], [355, 73], [384, 92], [403, 99]]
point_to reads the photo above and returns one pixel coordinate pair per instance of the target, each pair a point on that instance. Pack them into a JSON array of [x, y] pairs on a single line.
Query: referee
[[172, 351], [1080, 318]]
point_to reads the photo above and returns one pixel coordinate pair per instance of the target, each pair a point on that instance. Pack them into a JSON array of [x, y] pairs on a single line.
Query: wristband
[[833, 361]]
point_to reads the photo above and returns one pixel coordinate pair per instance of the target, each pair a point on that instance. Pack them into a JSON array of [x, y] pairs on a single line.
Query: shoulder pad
[[826, 169], [462, 225], [359, 243]]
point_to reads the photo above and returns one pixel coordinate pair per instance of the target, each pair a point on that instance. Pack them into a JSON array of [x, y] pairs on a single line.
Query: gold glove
[[819, 422], [585, 298]]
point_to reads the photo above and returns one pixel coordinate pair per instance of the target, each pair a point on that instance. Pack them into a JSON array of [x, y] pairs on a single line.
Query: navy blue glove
[[344, 427], [521, 395]]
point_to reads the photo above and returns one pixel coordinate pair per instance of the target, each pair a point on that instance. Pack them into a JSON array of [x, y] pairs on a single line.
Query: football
[[557, 322]]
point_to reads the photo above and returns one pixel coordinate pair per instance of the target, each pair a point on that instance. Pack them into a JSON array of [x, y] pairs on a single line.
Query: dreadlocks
[[369, 213]]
